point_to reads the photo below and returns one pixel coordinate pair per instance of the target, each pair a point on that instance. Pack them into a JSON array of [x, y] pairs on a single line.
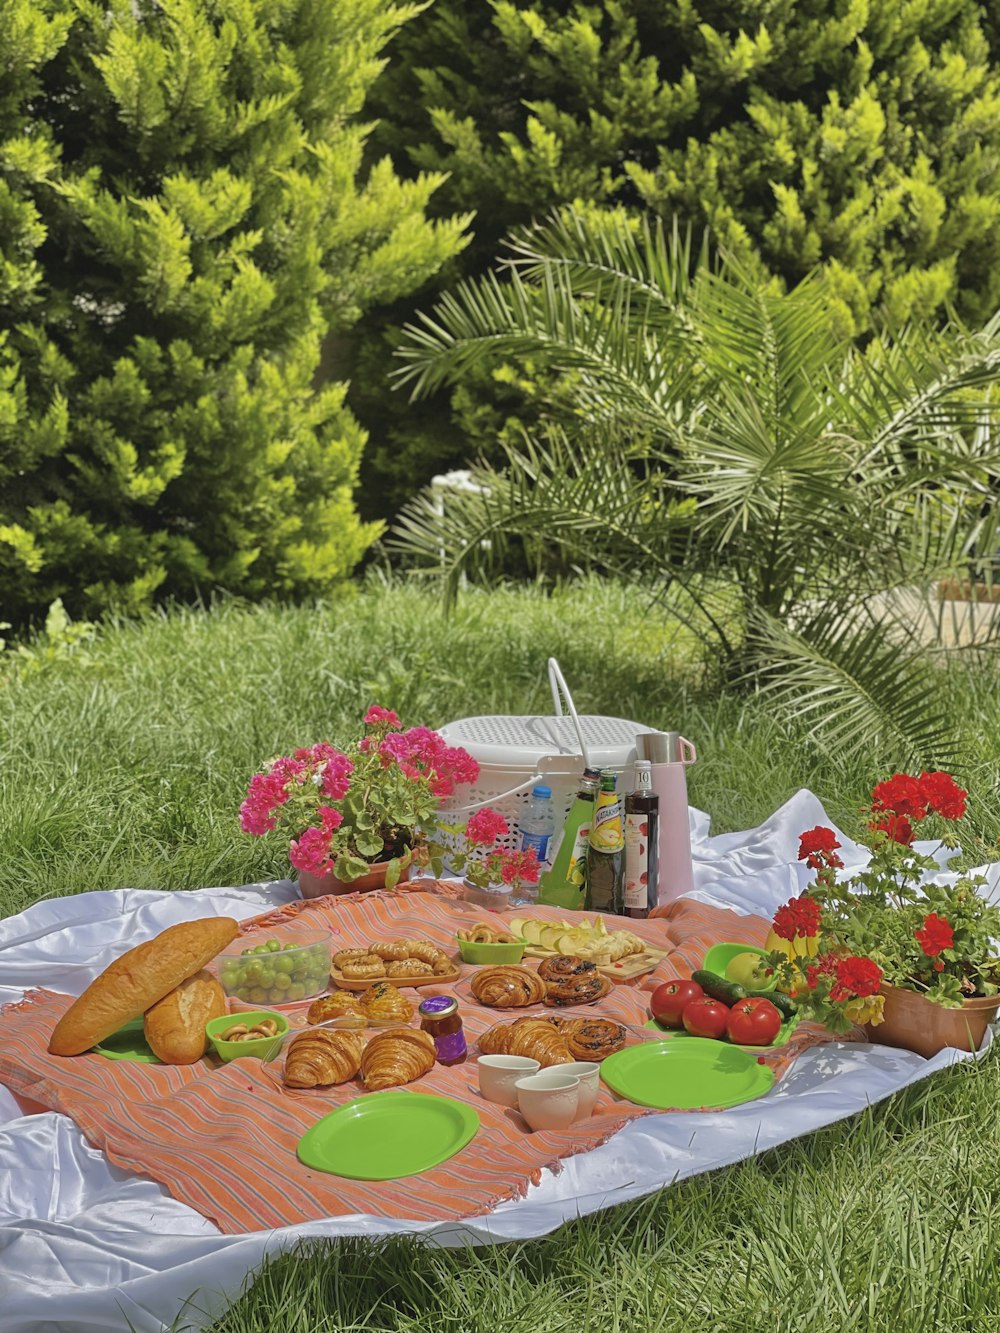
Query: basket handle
[[501, 796], [560, 692]]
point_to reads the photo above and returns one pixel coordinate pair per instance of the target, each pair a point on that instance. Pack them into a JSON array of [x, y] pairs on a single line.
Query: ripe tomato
[[753, 1022], [667, 1002], [706, 1018]]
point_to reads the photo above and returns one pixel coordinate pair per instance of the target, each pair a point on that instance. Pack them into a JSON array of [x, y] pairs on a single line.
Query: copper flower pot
[[319, 886], [914, 1023]]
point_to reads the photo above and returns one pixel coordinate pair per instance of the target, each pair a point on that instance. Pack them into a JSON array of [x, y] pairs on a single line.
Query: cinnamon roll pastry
[[507, 986], [348, 956], [360, 969], [322, 1058], [593, 1038], [393, 951], [443, 965], [383, 1001], [396, 1057], [335, 1005], [584, 989], [422, 949], [560, 967]]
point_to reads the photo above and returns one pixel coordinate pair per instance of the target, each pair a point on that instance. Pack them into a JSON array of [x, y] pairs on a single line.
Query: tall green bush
[[185, 218], [861, 137]]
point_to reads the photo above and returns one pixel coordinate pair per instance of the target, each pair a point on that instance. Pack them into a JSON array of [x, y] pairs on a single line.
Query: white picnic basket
[[515, 753]]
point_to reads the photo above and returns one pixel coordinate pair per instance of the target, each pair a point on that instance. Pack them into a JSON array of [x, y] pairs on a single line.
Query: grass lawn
[[124, 763]]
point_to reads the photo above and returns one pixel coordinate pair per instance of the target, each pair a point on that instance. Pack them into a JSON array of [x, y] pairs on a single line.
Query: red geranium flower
[[817, 847], [902, 795], [936, 935], [825, 965], [898, 828], [855, 976], [943, 794], [799, 917]]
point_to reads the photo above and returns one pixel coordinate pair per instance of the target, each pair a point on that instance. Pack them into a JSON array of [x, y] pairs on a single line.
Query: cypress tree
[[187, 217], [858, 137]]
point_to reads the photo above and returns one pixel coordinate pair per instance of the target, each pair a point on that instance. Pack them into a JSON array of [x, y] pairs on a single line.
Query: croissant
[[335, 1005], [507, 986], [395, 1057], [443, 965], [383, 1001], [534, 1038], [422, 949], [393, 951], [322, 1057], [593, 1038]]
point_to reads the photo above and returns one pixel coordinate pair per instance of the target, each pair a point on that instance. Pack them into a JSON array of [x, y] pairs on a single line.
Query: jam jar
[[440, 1019]]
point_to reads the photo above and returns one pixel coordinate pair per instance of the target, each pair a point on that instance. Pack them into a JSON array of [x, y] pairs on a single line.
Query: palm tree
[[722, 441]]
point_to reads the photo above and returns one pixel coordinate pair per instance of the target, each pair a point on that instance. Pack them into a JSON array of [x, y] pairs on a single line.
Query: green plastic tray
[[128, 1043]]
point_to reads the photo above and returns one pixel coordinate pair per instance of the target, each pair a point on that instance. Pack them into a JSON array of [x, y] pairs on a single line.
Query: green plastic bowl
[[720, 956], [260, 1049], [492, 953]]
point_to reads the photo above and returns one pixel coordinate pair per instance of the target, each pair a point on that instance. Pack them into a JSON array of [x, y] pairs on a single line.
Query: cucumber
[[729, 992], [784, 1004]]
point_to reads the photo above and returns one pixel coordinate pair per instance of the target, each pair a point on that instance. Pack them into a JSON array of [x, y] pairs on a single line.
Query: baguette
[[134, 982], [175, 1026]]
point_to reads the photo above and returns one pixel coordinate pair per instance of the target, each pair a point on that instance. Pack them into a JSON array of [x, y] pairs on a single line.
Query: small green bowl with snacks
[[481, 952], [720, 959], [244, 1043]]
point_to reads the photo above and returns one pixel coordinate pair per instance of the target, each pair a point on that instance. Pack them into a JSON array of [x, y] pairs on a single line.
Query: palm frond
[[601, 251], [612, 362], [587, 502], [858, 682]]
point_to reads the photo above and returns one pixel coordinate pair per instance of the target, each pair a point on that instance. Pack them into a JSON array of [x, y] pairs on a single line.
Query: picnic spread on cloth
[[135, 1186]]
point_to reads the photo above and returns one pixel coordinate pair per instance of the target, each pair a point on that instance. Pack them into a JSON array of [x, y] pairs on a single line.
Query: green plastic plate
[[784, 1034], [128, 1043], [690, 1075], [387, 1135]]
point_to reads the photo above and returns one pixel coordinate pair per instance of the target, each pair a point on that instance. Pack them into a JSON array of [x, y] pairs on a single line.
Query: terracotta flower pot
[[915, 1023], [319, 886]]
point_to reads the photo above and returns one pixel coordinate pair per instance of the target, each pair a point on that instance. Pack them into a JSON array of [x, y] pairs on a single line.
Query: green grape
[[296, 991], [260, 948], [281, 982], [267, 977], [258, 995], [230, 973], [253, 973], [290, 946], [284, 966], [272, 946]]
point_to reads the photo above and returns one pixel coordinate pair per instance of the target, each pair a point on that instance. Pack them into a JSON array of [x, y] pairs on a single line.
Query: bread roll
[[134, 982], [175, 1025]]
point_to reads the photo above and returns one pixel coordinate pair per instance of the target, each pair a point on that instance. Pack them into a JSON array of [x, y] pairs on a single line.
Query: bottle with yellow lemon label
[[606, 852]]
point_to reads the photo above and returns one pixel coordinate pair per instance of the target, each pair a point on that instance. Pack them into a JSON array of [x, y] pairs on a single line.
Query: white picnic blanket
[[87, 1246]]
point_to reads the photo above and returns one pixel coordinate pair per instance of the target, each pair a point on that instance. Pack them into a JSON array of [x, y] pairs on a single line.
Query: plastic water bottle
[[539, 823]]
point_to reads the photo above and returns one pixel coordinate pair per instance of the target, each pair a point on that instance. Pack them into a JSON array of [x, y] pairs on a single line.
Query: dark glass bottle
[[642, 819], [606, 850]]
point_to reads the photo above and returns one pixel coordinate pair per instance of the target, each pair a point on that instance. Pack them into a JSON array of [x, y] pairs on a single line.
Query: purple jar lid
[[438, 1006]]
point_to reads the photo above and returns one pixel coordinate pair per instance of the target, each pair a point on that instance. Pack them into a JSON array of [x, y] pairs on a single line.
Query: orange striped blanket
[[222, 1139]]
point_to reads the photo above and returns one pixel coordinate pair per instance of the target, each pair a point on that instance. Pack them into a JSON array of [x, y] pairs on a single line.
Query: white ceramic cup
[[549, 1100], [498, 1075], [588, 1076]]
